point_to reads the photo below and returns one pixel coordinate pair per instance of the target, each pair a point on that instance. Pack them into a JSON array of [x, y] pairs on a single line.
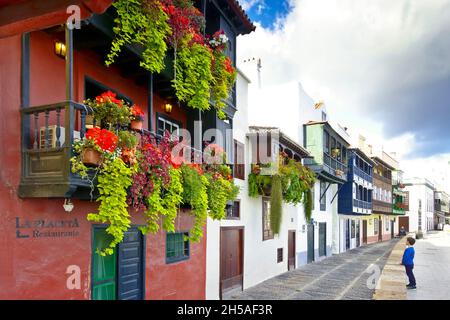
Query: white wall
[[319, 217], [424, 192], [260, 257]]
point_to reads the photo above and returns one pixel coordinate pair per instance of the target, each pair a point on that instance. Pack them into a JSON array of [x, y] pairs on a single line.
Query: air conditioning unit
[[52, 136]]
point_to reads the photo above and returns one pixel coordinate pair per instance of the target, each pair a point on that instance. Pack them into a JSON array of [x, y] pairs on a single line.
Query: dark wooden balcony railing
[[334, 163], [360, 173], [48, 132]]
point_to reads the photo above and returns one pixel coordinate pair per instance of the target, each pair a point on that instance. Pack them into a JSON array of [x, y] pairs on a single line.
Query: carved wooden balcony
[[48, 132]]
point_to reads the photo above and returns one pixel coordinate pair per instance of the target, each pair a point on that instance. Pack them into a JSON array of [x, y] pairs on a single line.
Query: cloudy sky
[[381, 66]]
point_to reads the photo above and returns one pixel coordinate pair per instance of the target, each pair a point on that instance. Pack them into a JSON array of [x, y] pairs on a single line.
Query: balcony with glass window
[[329, 152]]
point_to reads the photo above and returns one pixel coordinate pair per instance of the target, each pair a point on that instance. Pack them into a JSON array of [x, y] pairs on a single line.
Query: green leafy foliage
[[257, 184], [222, 82], [276, 204], [308, 205], [296, 182], [127, 139], [221, 189], [193, 75], [195, 194], [112, 186], [143, 24]]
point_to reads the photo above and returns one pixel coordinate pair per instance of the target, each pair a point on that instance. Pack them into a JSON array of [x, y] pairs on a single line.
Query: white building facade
[[421, 204]]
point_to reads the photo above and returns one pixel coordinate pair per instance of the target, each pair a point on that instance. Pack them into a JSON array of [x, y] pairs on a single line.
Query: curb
[[392, 282]]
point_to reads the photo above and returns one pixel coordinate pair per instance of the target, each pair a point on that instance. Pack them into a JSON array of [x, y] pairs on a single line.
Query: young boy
[[408, 262]]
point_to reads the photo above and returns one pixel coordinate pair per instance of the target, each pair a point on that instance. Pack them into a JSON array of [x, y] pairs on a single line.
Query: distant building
[[421, 204], [355, 202], [441, 209]]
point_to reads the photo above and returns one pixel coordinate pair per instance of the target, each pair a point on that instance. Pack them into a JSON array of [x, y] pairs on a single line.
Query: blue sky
[[266, 12]]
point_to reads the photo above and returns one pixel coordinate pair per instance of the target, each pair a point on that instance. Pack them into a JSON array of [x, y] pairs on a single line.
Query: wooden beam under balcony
[[18, 17]]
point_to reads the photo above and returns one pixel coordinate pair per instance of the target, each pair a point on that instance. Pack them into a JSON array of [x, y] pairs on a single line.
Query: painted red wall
[[35, 268], [372, 239]]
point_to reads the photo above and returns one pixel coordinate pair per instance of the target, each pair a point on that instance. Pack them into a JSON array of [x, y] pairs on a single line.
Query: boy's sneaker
[[411, 287]]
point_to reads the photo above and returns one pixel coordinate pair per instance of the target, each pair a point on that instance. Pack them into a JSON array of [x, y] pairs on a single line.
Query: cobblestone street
[[342, 276]]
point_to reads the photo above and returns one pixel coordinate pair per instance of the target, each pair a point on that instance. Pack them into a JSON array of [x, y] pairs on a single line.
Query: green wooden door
[[103, 268]]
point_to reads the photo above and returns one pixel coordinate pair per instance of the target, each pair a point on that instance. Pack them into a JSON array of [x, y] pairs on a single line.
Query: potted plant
[[127, 143], [96, 142], [109, 112], [335, 152], [137, 118]]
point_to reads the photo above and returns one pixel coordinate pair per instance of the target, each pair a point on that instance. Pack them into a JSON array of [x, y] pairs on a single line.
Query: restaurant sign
[[45, 228]]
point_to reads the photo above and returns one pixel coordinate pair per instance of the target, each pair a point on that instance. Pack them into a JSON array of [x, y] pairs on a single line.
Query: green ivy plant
[[143, 24], [112, 186], [164, 201], [220, 191], [222, 82], [295, 179], [276, 204], [193, 75], [195, 194]]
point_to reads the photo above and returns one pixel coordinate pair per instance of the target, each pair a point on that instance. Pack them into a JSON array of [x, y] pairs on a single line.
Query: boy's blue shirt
[[408, 257]]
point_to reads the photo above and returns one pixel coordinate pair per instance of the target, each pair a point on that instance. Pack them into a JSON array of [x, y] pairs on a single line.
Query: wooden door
[[403, 222], [322, 239], [358, 233], [364, 231], [231, 258], [347, 234], [130, 266], [392, 229], [380, 230], [291, 250], [119, 275], [310, 242]]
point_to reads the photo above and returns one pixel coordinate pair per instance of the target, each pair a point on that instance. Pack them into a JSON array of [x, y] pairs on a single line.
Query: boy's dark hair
[[411, 241]]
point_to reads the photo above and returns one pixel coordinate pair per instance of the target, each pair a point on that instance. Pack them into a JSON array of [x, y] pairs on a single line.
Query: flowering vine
[[202, 71]]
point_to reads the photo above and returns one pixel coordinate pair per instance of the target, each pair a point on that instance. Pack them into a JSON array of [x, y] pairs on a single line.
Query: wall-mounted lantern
[[168, 108], [60, 49]]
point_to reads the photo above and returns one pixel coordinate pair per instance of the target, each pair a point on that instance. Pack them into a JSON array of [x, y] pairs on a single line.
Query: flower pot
[[136, 125], [91, 157]]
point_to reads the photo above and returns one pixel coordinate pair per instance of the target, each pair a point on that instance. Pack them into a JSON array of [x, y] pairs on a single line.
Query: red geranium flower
[[105, 139], [137, 113], [228, 65], [108, 96]]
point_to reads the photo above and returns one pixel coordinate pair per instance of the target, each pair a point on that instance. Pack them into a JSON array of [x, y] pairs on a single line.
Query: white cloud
[[359, 56]]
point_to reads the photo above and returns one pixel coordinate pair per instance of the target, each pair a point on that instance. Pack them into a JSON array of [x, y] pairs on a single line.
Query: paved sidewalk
[[432, 267], [342, 276]]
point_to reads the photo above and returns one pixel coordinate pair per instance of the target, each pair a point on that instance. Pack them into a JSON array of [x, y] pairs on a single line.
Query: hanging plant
[[195, 194], [276, 204], [109, 112], [141, 23], [113, 182], [221, 189], [308, 205], [296, 182], [224, 75], [193, 75], [202, 71]]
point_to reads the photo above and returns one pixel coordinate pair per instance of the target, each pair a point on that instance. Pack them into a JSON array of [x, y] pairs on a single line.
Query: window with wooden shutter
[[239, 160]]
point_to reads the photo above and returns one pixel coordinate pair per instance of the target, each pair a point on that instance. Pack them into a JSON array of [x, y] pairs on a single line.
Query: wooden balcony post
[[69, 64]]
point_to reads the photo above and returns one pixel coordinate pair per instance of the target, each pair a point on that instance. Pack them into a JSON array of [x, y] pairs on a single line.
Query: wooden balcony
[[48, 132]]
